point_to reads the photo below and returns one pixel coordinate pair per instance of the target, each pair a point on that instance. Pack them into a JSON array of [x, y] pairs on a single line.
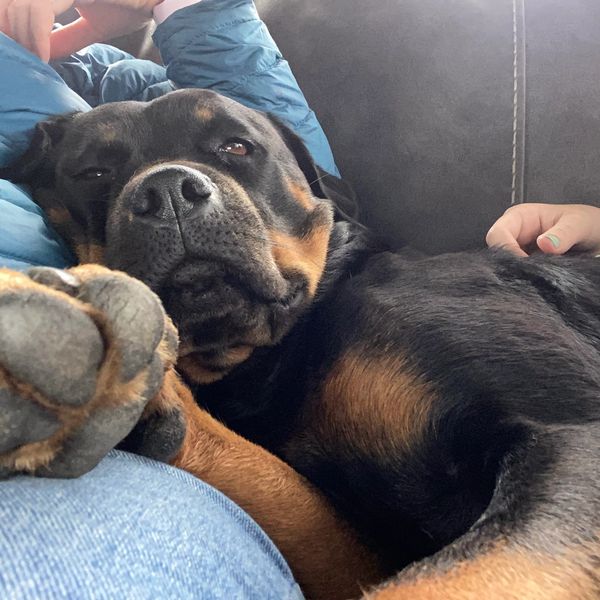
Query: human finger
[[18, 14], [71, 38], [574, 227], [41, 19], [4, 25], [508, 233], [98, 23]]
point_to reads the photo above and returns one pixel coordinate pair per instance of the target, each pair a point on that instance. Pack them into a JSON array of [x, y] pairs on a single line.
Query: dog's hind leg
[[539, 539]]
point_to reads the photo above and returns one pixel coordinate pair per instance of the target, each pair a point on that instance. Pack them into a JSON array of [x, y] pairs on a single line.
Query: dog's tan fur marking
[[59, 216], [90, 253], [61, 219], [301, 193], [107, 132], [205, 114], [197, 373], [193, 367], [504, 573], [306, 254], [376, 403]]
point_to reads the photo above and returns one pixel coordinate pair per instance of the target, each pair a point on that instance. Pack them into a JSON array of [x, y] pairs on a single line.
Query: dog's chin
[[221, 322]]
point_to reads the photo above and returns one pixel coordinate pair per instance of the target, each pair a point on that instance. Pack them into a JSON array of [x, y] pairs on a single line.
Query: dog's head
[[215, 206]]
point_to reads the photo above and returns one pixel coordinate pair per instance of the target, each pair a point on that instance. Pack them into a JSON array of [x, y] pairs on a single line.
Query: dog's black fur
[[494, 360]]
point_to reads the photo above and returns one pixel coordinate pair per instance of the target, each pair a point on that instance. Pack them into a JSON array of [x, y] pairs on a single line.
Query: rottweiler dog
[[416, 427]]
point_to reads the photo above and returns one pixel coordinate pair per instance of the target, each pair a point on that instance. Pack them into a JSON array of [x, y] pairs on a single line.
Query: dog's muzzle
[[193, 227]]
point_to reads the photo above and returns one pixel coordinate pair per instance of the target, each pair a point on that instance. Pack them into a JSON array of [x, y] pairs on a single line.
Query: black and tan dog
[[379, 411]]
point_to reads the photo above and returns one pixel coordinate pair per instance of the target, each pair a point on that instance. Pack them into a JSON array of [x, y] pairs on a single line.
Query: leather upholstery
[[443, 112]]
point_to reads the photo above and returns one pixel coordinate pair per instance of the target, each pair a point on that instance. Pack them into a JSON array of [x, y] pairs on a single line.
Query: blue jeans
[[130, 529]]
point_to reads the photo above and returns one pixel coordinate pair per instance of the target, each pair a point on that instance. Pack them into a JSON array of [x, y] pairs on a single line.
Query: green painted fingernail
[[553, 240]]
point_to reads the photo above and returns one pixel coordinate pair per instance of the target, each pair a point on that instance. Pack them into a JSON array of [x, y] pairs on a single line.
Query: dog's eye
[[237, 147], [92, 174]]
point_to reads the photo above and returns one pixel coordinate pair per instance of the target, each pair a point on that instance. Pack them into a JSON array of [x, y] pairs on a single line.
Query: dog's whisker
[[319, 179]]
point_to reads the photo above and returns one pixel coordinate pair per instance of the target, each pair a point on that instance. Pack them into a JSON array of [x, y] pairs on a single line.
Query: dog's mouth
[[222, 319]]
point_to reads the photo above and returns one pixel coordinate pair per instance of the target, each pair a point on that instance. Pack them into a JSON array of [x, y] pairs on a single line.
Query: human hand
[[554, 228], [29, 22]]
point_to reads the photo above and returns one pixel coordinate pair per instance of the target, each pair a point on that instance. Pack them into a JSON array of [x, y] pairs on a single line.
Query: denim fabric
[[133, 529]]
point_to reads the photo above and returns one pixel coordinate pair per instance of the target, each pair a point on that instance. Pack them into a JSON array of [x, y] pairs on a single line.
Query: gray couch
[[443, 112]]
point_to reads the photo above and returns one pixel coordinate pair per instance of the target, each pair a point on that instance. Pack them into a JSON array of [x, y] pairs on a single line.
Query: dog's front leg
[[323, 552]]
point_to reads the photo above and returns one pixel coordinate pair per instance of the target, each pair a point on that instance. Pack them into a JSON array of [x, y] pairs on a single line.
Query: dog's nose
[[169, 191]]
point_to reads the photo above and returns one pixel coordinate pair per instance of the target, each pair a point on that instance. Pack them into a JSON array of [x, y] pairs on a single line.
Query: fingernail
[[553, 240]]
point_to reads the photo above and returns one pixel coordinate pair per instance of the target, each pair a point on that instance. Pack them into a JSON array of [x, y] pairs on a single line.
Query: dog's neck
[[349, 245], [259, 397]]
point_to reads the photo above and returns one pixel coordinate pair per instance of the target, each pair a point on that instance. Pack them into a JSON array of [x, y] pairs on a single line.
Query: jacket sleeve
[[30, 91], [26, 239], [224, 46], [101, 73]]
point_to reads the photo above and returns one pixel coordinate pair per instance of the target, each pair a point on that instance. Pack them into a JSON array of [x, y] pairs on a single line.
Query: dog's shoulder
[[459, 319]]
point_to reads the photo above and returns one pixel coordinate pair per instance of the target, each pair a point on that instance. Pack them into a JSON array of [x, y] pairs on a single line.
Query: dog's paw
[[81, 354]]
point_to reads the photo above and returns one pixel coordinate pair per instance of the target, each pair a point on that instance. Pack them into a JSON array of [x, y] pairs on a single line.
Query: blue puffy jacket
[[218, 44]]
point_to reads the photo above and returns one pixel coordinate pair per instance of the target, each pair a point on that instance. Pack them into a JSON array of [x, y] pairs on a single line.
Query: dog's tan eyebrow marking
[[205, 114], [107, 132]]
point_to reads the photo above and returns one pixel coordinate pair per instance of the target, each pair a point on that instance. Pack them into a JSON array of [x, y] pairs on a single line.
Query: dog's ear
[[322, 184], [34, 164]]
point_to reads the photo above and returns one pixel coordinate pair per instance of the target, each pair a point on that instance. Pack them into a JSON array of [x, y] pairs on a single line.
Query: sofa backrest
[[441, 113]]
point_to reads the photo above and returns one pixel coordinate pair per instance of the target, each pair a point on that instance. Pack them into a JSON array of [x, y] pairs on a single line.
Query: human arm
[[30, 23]]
